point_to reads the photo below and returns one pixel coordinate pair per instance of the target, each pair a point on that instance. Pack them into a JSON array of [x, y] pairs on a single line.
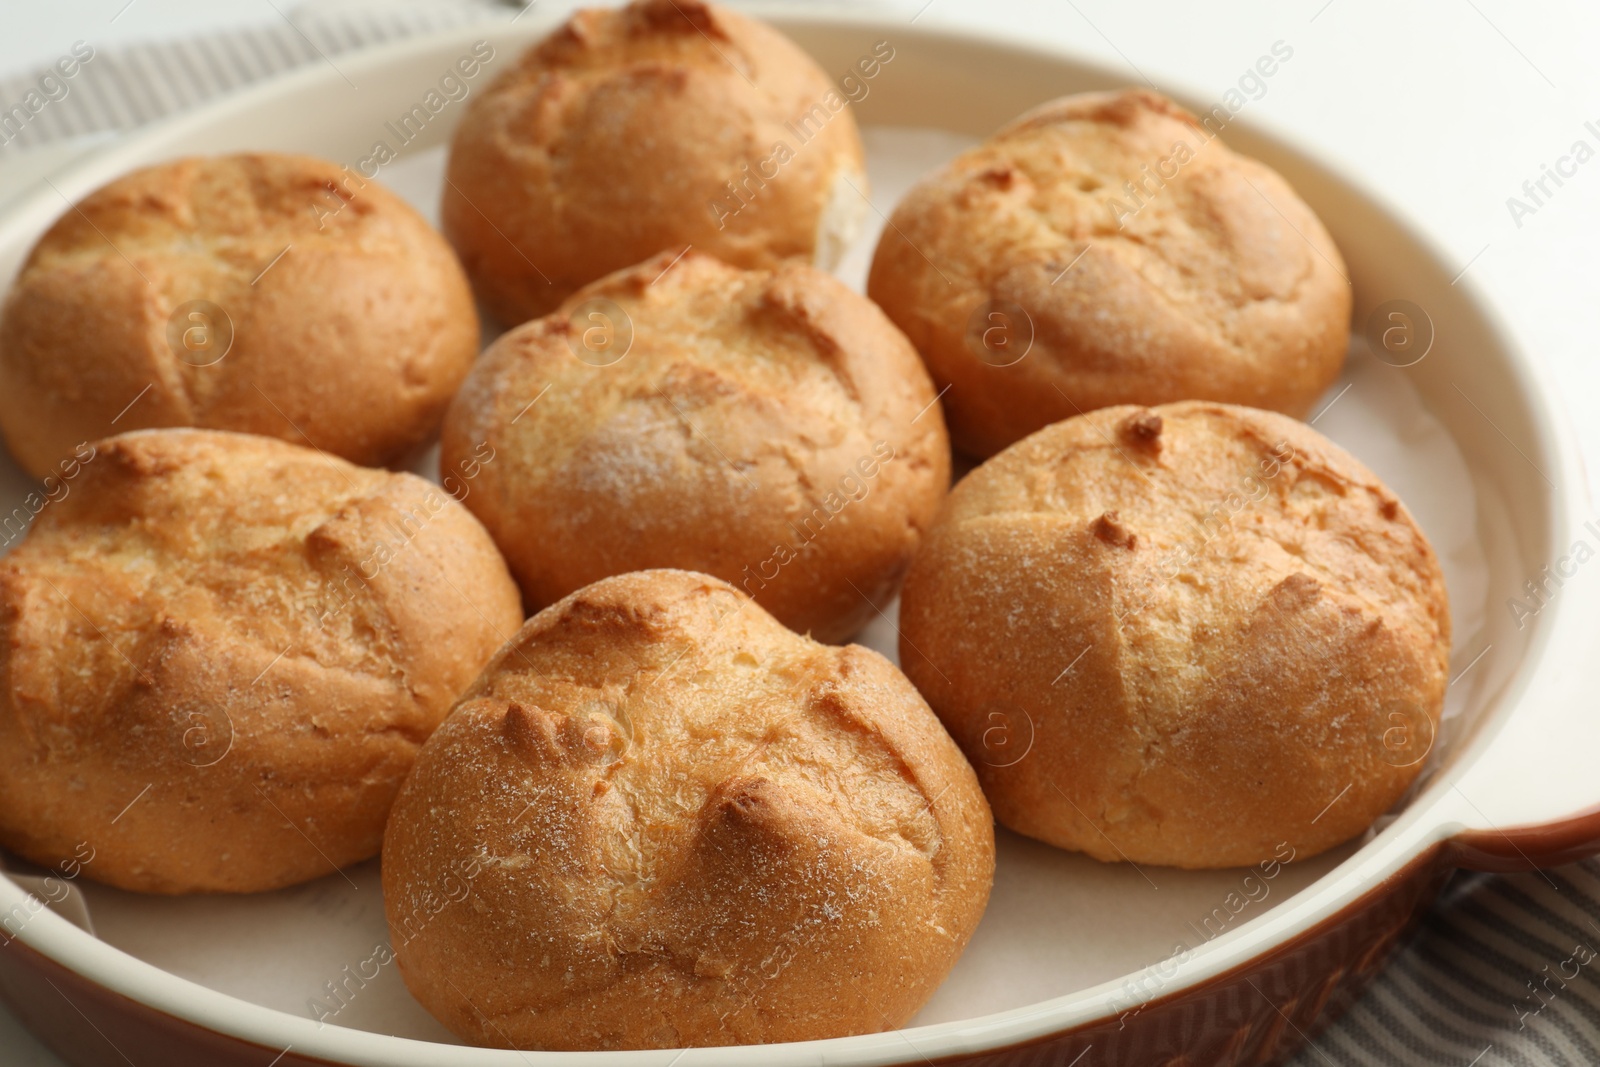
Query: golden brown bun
[[769, 427], [1211, 630], [660, 819], [353, 341], [220, 654], [1223, 286], [628, 132]]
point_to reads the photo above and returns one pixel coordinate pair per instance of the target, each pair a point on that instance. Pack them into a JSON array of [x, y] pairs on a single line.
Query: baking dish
[[1511, 790]]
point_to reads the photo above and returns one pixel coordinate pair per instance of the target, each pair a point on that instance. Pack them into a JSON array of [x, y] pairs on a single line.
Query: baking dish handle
[[1532, 797]]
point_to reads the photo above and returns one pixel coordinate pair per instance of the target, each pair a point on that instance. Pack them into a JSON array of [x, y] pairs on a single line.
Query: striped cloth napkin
[[127, 87], [1501, 972]]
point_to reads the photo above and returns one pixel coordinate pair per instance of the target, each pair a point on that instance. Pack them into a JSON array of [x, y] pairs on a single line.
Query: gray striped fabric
[[1502, 971], [131, 86]]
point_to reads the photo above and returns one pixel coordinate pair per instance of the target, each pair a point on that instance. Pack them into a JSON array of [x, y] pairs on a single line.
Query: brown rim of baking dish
[[1258, 1013]]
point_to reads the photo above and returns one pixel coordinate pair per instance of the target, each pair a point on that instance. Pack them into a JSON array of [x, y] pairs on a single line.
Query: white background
[[1442, 107]]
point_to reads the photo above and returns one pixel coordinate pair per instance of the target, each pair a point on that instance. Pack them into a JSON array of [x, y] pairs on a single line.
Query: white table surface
[[1443, 107]]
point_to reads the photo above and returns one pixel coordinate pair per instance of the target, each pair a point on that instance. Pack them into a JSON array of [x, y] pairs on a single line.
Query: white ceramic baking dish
[[1513, 788]]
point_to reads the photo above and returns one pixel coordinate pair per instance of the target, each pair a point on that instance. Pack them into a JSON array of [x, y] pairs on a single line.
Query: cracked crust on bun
[[660, 819], [768, 427], [260, 293], [1106, 249], [221, 653], [648, 128], [1181, 635]]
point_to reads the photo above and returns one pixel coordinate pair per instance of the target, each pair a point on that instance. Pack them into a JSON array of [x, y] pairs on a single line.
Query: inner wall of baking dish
[[1064, 923]]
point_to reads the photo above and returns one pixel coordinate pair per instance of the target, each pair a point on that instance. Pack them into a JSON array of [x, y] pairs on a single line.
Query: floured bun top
[[1211, 630], [652, 127], [220, 654], [261, 293], [1105, 249], [769, 427], [661, 819]]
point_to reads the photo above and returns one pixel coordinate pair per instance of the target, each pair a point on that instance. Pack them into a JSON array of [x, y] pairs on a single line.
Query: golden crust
[[353, 340], [1223, 285], [220, 654], [659, 819], [769, 427], [1199, 622], [618, 135]]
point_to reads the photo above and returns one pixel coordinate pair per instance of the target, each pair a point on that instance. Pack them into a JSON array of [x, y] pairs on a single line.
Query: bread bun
[[221, 653], [1181, 635], [664, 124], [769, 427], [1108, 249], [660, 819], [269, 294]]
